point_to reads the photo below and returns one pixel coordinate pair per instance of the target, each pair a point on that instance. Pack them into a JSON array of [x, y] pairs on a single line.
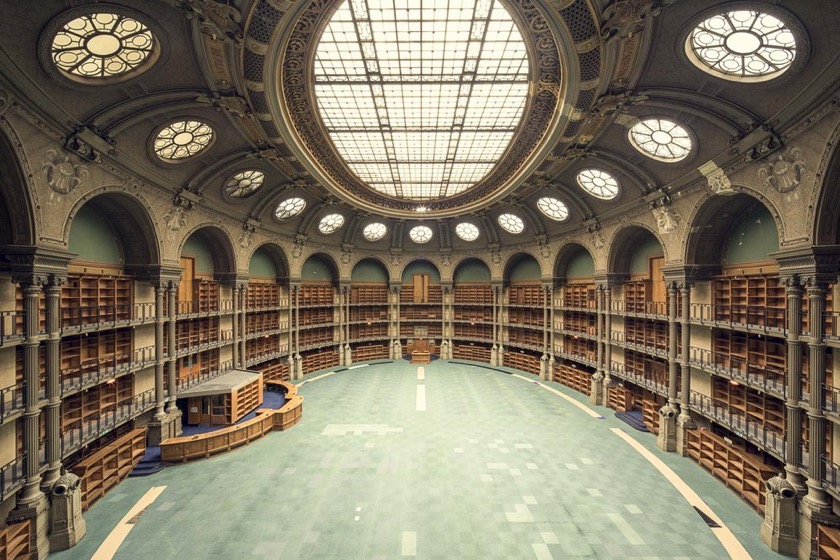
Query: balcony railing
[[12, 476], [188, 308], [740, 424], [752, 317], [77, 319], [11, 326], [762, 377], [655, 384], [91, 430], [93, 372], [193, 380], [656, 309], [11, 400]]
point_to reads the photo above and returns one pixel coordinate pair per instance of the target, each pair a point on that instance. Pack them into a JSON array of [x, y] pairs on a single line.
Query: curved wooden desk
[[203, 446]]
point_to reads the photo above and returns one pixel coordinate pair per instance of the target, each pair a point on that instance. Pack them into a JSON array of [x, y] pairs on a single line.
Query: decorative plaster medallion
[[785, 172], [719, 183], [175, 220], [62, 175], [246, 239], [598, 240], [666, 219]]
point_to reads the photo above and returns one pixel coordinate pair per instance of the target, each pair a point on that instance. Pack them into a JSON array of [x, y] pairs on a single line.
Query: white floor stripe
[[625, 528], [581, 406], [110, 545], [421, 373], [729, 541], [542, 551], [358, 366], [421, 398], [409, 543], [316, 378]]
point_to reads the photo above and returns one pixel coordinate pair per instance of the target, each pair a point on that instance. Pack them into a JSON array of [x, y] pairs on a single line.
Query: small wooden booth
[[224, 400]]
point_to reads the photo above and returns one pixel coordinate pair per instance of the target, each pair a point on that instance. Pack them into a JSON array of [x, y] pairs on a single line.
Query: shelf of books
[[474, 351], [275, 370], [749, 297], [320, 359], [96, 299], [522, 360], [15, 540], [828, 543], [366, 352], [580, 296]]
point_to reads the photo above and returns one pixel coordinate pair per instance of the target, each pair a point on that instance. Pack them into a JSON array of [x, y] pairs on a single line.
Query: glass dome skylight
[[421, 101]]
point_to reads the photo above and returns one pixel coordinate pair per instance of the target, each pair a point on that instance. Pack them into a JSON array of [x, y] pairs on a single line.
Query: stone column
[[237, 333], [544, 373], [607, 334], [793, 414], [298, 363], [667, 438], [242, 293], [597, 386], [348, 352], [684, 421], [502, 302], [52, 410], [157, 428], [172, 361], [444, 344], [551, 333], [815, 507], [397, 335], [31, 502], [494, 350], [291, 328]]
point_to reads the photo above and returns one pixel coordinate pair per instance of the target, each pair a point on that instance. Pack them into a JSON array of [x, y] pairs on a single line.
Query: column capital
[[821, 261], [35, 265], [610, 279]]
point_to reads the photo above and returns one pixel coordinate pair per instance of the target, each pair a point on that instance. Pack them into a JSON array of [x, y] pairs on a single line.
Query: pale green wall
[[527, 268], [420, 267], [195, 247], [369, 270], [262, 265], [472, 270], [92, 240], [649, 248], [753, 238], [316, 267], [581, 266]]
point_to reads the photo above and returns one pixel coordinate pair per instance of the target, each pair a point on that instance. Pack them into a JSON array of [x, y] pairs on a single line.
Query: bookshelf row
[[471, 351], [109, 465], [576, 377]]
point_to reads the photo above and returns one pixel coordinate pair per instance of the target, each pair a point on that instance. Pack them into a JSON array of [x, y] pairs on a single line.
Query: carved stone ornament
[[496, 256], [246, 239], [719, 183], [785, 171], [175, 220], [627, 17], [667, 220], [598, 239], [446, 259], [297, 249], [545, 250], [396, 257], [62, 175], [346, 255]]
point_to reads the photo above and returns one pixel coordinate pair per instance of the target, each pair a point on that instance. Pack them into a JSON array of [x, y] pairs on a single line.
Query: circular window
[[467, 231], [511, 223], [661, 139], [97, 48], [553, 208], [289, 207], [244, 183], [330, 223], [420, 234], [374, 231], [182, 139], [599, 184], [742, 45]]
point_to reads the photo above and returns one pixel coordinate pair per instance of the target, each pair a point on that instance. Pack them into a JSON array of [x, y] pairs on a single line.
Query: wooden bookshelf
[[91, 404], [523, 361], [750, 299], [369, 293], [636, 296], [742, 471], [262, 295], [473, 294], [581, 347], [95, 299], [193, 366], [480, 331], [471, 351], [580, 296], [577, 378], [755, 406], [651, 404], [828, 543], [245, 399], [275, 370], [317, 294], [619, 398], [646, 332], [366, 352], [205, 296], [762, 357], [15, 541], [528, 294], [109, 465], [314, 361]]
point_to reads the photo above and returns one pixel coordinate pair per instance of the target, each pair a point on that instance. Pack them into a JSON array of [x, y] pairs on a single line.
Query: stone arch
[[712, 222], [625, 240], [224, 258], [378, 261], [515, 259], [130, 217], [565, 255], [335, 269], [419, 259], [465, 258], [17, 210], [278, 256], [825, 203]]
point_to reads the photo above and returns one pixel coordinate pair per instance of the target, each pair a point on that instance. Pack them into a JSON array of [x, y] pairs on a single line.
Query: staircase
[[149, 464]]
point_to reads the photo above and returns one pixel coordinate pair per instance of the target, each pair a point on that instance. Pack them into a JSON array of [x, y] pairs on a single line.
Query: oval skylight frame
[[374, 231], [661, 139], [244, 183], [553, 208], [598, 183], [182, 139], [511, 223], [467, 231], [747, 45], [289, 208], [420, 234], [330, 223]]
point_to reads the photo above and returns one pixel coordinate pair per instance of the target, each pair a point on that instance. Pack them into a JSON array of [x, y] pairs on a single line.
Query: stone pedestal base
[[684, 423], [445, 350], [396, 350], [810, 515], [37, 511], [348, 356], [501, 357], [778, 531], [666, 440], [298, 367], [67, 526], [494, 356], [545, 373], [165, 427], [597, 389]]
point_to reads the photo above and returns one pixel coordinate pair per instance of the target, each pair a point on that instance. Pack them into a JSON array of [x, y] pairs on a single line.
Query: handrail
[[73, 439], [12, 476]]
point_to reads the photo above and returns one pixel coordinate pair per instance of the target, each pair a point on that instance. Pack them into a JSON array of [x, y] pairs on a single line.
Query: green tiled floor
[[496, 467]]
